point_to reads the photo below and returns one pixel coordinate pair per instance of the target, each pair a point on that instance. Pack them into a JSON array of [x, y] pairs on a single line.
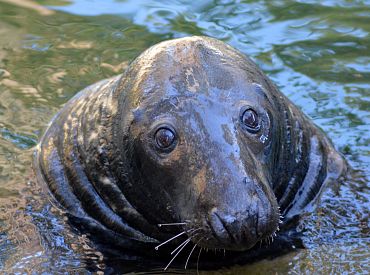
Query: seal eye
[[164, 138], [249, 118]]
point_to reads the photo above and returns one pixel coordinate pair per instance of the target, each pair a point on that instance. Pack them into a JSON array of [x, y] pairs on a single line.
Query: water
[[317, 52]]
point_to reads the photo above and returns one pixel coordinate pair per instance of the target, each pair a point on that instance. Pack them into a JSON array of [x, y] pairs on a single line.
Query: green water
[[317, 52]]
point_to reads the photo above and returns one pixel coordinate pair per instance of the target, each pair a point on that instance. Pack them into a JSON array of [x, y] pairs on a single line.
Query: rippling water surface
[[317, 52]]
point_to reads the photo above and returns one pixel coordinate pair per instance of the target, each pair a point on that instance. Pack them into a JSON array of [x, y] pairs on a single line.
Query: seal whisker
[[191, 252], [200, 251], [170, 224], [178, 252], [174, 237], [181, 245], [178, 235], [184, 243]]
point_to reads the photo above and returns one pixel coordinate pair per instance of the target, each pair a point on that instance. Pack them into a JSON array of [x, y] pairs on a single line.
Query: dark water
[[318, 53]]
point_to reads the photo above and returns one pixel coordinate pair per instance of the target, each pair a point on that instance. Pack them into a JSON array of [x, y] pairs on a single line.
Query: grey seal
[[192, 137]]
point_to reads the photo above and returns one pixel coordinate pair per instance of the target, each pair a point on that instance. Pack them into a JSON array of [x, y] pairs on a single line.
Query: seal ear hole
[[249, 119]]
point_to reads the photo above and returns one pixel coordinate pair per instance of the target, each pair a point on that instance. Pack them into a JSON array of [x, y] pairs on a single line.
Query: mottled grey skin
[[101, 163]]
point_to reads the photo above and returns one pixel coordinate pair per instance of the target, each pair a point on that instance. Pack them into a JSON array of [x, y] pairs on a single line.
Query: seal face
[[193, 134]]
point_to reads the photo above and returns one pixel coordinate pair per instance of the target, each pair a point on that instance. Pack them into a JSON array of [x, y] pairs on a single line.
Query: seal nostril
[[231, 236], [213, 231]]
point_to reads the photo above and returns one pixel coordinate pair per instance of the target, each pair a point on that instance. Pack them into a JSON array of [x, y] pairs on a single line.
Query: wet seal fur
[[194, 135]]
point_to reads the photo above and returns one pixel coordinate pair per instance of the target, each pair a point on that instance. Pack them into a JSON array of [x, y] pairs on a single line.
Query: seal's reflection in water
[[193, 133]]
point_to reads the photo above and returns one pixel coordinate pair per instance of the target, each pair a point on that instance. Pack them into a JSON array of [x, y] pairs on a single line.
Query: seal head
[[194, 134], [201, 141]]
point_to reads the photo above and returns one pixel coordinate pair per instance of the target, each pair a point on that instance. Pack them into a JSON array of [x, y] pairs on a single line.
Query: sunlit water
[[317, 52]]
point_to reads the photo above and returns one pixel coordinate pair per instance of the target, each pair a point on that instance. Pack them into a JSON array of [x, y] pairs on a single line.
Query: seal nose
[[236, 232], [246, 217]]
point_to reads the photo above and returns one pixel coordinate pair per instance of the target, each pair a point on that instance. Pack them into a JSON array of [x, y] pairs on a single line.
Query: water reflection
[[316, 51]]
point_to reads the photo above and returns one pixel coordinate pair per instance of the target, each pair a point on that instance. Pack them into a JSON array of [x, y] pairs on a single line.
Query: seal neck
[[301, 167]]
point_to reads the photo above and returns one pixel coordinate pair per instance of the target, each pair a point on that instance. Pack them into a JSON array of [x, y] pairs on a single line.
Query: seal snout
[[240, 219], [238, 231]]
